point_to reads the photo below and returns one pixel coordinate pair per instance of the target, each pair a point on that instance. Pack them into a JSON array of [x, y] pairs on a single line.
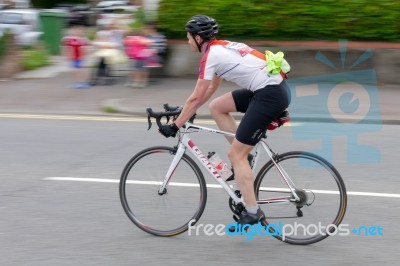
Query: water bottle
[[223, 170]]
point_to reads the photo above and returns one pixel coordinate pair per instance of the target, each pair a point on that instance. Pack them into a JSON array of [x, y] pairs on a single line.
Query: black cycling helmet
[[204, 26]]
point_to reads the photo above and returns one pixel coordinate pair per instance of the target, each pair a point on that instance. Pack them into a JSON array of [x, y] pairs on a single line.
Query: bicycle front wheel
[[322, 198], [162, 214]]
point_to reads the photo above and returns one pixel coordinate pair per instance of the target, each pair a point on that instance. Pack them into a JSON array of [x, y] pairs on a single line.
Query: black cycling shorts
[[260, 108]]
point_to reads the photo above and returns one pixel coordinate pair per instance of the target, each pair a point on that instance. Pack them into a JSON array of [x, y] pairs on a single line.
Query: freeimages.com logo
[[283, 230]]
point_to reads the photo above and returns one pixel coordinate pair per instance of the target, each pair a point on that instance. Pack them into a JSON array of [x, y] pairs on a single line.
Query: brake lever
[[191, 120], [149, 111], [149, 121]]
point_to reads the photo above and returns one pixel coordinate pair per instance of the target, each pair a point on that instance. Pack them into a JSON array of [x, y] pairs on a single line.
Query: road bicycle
[[162, 189]]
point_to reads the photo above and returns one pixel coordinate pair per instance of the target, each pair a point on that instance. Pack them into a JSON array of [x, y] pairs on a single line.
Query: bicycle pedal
[[236, 218]]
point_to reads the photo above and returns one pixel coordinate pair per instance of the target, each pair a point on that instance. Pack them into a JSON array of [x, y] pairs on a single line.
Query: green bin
[[53, 23]]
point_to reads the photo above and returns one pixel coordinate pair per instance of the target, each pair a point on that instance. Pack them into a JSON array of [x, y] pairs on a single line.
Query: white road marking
[[178, 184]]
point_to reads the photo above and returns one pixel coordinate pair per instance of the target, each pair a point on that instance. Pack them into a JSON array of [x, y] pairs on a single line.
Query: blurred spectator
[[159, 44], [138, 49], [74, 48], [109, 50], [112, 36]]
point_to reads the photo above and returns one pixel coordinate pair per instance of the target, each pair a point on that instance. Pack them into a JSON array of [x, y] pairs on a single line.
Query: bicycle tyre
[[153, 163], [291, 161]]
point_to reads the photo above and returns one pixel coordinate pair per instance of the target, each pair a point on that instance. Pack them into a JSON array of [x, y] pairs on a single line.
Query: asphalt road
[[46, 221]]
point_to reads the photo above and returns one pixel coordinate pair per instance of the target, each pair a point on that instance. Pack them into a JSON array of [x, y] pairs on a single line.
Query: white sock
[[252, 210]]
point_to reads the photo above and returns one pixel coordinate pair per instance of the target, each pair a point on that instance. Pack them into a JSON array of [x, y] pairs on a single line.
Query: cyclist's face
[[192, 43]]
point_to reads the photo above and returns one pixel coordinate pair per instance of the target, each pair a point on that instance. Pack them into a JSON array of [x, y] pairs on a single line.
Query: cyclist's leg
[[266, 104], [238, 153], [222, 106]]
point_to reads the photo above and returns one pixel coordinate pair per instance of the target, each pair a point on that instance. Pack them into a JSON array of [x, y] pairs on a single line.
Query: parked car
[[20, 4], [79, 14], [124, 15], [23, 23], [3, 6], [103, 4]]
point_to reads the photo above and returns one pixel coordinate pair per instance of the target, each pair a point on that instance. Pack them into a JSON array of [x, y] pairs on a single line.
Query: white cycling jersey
[[238, 63]]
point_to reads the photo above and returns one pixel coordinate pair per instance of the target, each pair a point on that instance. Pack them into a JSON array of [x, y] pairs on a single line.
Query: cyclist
[[263, 98]]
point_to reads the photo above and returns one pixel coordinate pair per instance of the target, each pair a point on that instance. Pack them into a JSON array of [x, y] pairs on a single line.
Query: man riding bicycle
[[263, 97]]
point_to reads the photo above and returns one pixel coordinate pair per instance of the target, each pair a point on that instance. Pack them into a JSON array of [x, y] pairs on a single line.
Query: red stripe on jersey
[[203, 62], [204, 58], [219, 42], [259, 54]]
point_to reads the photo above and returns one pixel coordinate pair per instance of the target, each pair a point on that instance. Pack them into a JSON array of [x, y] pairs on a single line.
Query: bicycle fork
[[177, 158]]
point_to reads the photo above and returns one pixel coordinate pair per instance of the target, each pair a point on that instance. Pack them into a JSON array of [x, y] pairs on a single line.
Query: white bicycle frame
[[187, 143]]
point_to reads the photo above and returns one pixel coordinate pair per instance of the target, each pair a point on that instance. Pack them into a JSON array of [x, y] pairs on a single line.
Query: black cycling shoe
[[247, 218], [232, 177]]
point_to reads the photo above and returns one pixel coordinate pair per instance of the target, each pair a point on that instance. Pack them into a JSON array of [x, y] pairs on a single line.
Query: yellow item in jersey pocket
[[276, 63]]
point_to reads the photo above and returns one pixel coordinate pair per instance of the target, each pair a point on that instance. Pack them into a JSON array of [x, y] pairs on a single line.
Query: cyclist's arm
[[202, 92]]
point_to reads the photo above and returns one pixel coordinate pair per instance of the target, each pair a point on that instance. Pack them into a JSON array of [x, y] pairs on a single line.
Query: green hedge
[[34, 57], [2, 46], [288, 20]]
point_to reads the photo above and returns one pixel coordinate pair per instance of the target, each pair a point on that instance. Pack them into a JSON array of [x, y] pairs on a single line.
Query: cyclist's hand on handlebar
[[169, 130]]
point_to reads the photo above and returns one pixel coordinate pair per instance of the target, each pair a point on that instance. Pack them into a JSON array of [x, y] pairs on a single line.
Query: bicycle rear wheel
[[322, 194], [167, 214]]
